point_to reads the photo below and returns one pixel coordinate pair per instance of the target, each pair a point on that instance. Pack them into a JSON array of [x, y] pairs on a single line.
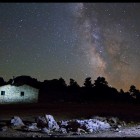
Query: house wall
[[13, 94]]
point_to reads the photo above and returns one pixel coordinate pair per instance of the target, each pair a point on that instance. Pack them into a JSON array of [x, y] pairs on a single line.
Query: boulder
[[93, 125], [73, 125], [32, 127], [63, 124], [41, 122], [123, 123], [48, 122], [113, 120], [63, 130], [90, 125], [52, 124], [16, 122], [45, 130]]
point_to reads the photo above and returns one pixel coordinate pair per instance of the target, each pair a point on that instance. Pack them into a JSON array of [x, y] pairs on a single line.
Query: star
[[71, 39]]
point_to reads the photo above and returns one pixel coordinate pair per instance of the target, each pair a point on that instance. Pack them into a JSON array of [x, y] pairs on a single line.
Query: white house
[[18, 94]]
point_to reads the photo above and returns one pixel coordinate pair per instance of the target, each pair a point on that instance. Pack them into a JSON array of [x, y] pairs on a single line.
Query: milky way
[[107, 43], [71, 40]]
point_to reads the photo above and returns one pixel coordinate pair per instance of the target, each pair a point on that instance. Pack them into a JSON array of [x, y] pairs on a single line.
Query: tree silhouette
[[133, 91], [73, 93], [57, 90], [2, 82], [62, 82], [100, 81], [121, 91], [24, 79], [88, 83], [102, 91], [73, 84]]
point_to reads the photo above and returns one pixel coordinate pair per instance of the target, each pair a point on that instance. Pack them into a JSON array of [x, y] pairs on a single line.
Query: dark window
[[2, 92], [22, 93]]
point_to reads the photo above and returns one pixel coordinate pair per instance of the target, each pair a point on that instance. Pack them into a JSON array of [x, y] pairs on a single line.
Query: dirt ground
[[65, 111], [124, 132]]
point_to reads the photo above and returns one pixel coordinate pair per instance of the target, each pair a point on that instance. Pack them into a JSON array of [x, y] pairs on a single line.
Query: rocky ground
[[46, 127], [133, 131], [70, 120]]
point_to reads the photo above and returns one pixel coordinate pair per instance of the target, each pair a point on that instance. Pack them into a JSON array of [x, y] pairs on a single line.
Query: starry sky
[[71, 40]]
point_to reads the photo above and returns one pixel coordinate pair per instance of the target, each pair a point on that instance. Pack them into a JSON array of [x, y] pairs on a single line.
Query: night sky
[[71, 40]]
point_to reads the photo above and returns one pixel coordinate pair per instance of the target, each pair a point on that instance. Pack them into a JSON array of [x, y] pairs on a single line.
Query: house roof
[[18, 85], [21, 80]]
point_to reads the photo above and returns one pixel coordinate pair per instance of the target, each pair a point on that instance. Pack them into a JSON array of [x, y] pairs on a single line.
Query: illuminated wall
[[18, 94]]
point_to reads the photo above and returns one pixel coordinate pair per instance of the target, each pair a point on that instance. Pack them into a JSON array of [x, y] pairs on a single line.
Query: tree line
[[57, 90]]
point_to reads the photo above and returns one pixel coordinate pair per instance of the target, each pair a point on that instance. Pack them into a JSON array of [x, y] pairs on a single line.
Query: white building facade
[[18, 94]]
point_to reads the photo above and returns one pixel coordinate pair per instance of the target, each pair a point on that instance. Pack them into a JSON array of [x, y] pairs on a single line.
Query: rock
[[123, 123], [48, 122], [73, 126], [52, 124], [103, 119], [84, 126], [41, 122], [63, 124], [16, 122], [119, 126], [32, 127], [63, 130], [45, 130], [116, 130], [89, 130], [4, 128], [114, 120], [93, 125], [79, 130]]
